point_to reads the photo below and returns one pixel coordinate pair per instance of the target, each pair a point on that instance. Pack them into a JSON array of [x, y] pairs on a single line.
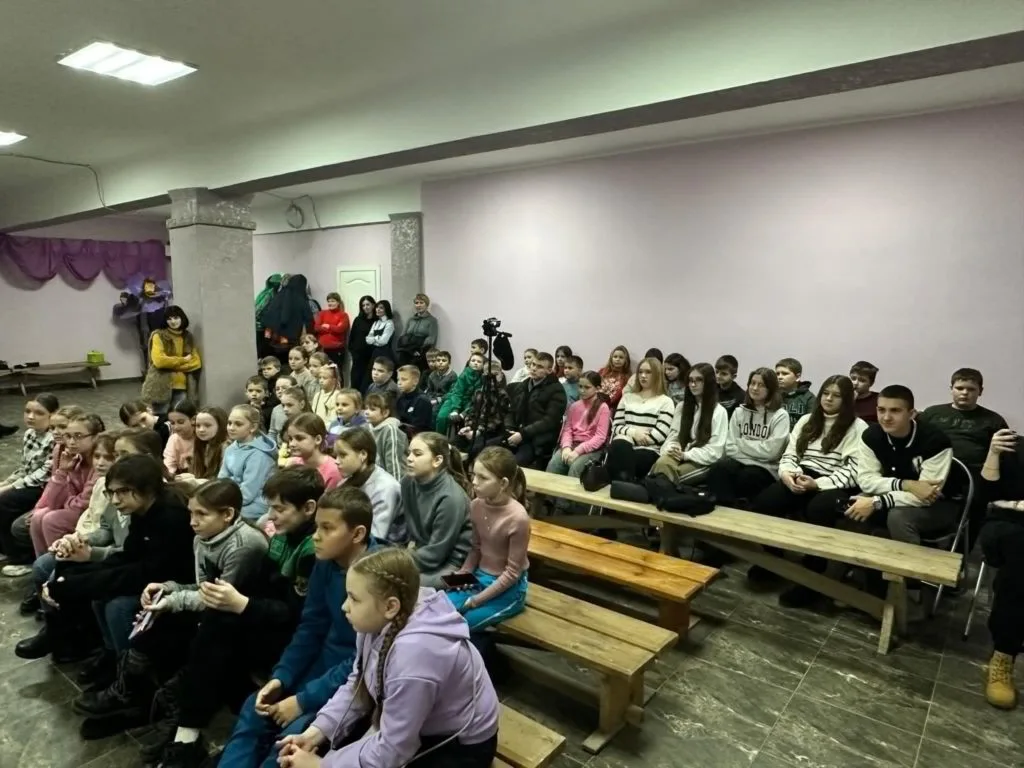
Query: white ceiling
[[286, 86]]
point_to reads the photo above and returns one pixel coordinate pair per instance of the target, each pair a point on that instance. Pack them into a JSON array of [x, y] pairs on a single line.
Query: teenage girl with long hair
[[418, 694], [758, 433], [817, 470], [500, 540], [615, 375], [211, 439], [435, 505], [356, 452], [362, 353], [697, 438], [181, 419], [641, 425], [562, 354], [584, 431]]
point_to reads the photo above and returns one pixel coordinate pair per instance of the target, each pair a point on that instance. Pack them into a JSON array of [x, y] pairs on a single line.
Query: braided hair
[[390, 573]]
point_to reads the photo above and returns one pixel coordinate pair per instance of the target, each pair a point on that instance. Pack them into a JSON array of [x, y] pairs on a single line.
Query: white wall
[[62, 319], [319, 254], [342, 209]]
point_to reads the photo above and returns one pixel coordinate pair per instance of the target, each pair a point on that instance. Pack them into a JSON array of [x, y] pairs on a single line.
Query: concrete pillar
[[406, 262], [211, 271]]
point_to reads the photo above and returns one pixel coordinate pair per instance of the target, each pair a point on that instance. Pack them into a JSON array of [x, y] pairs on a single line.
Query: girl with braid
[[418, 691]]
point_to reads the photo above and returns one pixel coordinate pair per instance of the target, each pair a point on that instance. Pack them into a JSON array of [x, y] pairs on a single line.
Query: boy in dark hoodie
[[797, 397], [240, 634], [730, 394], [319, 658], [412, 407]]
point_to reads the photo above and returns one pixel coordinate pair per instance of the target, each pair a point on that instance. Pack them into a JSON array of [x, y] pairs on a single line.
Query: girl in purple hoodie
[[418, 689]]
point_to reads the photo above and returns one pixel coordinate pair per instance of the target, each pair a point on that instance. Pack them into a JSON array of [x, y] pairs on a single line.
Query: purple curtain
[[42, 258]]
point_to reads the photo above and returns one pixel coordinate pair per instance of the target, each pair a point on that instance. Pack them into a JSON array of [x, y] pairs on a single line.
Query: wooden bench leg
[[669, 540], [614, 696], [674, 616], [894, 612]]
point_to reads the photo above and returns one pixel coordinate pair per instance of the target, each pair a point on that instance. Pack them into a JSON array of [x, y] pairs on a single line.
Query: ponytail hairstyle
[[252, 415], [92, 422], [389, 572], [329, 366], [185, 407], [208, 455], [815, 426], [220, 496], [359, 440], [451, 459], [708, 400], [131, 409], [600, 398], [299, 394], [48, 401], [145, 442], [502, 464]]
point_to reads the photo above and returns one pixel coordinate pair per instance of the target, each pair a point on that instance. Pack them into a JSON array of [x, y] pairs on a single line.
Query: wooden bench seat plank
[[525, 743], [606, 622], [673, 566], [907, 560], [637, 577], [600, 652]]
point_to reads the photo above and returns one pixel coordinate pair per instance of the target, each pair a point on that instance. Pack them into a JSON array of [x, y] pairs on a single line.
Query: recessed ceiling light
[[9, 137], [126, 64]]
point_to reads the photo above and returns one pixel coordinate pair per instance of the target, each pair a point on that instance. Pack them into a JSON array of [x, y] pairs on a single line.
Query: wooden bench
[[672, 582], [746, 535], [617, 648], [23, 375], [524, 743]]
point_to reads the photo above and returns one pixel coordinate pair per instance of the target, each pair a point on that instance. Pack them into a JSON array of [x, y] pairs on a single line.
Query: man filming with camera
[[535, 418]]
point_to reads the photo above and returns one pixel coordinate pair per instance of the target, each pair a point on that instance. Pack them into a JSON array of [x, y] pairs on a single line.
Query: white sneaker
[[16, 570]]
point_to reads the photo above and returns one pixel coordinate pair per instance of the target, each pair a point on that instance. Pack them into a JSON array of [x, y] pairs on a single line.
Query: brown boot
[[999, 688]]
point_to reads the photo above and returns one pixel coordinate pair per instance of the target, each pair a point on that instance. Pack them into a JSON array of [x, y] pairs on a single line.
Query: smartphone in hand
[[460, 582]]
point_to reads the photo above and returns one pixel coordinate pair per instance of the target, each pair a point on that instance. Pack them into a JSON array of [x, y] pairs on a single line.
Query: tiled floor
[[753, 686]]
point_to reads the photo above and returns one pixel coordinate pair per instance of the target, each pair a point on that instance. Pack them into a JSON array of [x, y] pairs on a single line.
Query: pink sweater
[[581, 435], [328, 470], [178, 454], [68, 488], [501, 538]]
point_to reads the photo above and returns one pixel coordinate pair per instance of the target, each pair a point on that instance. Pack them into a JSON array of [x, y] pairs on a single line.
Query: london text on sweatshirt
[[758, 437]]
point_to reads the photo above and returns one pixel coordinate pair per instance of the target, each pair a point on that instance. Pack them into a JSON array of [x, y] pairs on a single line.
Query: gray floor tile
[[805, 626], [34, 689], [758, 653], [864, 686], [964, 721], [909, 655], [50, 740], [816, 735], [934, 754]]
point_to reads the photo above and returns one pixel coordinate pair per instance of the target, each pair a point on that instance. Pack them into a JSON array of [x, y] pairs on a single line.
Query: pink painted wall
[[319, 254], [62, 319], [898, 241]]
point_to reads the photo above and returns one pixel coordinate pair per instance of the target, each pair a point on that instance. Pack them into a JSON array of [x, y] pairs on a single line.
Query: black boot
[[35, 647], [129, 696], [98, 672], [70, 641], [179, 755], [166, 711], [30, 604]]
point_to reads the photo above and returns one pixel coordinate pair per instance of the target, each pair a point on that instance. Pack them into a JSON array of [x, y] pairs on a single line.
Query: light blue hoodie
[[249, 465]]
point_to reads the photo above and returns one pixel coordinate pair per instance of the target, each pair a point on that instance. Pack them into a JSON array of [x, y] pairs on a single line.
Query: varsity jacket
[[885, 462]]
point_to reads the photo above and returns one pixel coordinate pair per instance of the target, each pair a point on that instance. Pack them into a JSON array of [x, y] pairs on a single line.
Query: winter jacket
[[249, 465], [420, 333], [439, 384], [435, 684], [835, 469], [498, 406], [335, 335], [537, 411]]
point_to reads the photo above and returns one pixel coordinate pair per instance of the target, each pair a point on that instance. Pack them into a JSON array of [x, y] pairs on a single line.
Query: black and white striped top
[[837, 468], [654, 413]]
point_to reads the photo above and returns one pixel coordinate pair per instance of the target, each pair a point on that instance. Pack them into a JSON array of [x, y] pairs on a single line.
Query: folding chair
[[974, 599], [952, 541]]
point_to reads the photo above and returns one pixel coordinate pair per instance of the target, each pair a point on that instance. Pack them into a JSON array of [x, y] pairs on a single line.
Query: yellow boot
[[999, 688]]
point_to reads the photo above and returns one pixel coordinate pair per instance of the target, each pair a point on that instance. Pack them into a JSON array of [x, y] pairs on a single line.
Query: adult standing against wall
[[287, 317], [358, 347], [331, 327], [419, 336], [174, 363], [382, 333]]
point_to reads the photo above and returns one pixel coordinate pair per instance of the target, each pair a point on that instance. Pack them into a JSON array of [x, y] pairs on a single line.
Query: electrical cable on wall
[[93, 171], [292, 201]]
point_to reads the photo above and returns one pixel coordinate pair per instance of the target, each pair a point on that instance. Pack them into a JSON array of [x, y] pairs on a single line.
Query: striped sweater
[[635, 412], [835, 469]]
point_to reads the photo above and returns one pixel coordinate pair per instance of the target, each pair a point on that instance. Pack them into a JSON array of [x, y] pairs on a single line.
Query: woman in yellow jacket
[[174, 363]]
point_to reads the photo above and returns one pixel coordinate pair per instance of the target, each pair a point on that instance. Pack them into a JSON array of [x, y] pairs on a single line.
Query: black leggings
[[817, 507], [1002, 542], [13, 504], [361, 365], [628, 462], [729, 481]]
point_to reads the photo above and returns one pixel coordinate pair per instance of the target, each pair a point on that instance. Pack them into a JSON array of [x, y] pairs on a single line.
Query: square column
[[406, 263], [211, 271]]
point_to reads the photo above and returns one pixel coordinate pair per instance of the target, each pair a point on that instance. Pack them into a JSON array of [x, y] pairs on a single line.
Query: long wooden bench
[[746, 535], [672, 582], [24, 375], [524, 743], [617, 649]]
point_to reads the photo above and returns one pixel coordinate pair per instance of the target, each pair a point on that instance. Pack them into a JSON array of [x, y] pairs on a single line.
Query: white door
[[354, 282]]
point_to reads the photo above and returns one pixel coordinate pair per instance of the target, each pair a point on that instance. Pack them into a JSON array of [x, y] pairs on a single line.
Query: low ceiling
[[283, 88]]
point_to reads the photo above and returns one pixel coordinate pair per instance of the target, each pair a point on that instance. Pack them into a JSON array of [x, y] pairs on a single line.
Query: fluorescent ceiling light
[[126, 64], [7, 138]]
